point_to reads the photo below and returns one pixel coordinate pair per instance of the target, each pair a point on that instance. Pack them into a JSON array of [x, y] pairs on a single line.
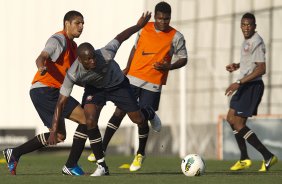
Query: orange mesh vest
[[56, 71], [152, 47]]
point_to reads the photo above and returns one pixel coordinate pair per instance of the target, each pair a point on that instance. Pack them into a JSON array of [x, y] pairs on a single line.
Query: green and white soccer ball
[[193, 165]]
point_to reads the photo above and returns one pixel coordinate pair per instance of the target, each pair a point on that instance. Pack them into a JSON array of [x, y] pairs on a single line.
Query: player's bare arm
[[232, 88], [53, 140], [41, 62], [130, 31], [258, 71], [132, 52], [178, 64], [165, 66]]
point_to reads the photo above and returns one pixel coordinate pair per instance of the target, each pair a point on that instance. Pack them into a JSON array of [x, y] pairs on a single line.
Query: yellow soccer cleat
[[267, 164], [91, 158], [137, 163], [241, 164]]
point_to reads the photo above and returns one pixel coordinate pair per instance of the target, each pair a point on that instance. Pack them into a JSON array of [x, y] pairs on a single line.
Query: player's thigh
[[92, 114], [149, 98], [230, 116], [247, 98], [44, 100], [78, 115], [123, 97], [236, 122], [125, 101], [136, 117]]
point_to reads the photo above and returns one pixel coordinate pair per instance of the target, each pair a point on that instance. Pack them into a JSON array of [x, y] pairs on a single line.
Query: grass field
[[46, 168]]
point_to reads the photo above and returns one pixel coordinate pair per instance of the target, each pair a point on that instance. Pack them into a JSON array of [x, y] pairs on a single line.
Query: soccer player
[[103, 81], [249, 90], [147, 69], [52, 63]]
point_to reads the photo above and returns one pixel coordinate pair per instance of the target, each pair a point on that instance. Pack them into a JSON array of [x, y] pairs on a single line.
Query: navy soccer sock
[[79, 139], [143, 137], [251, 137], [241, 144], [95, 140], [36, 143], [112, 127]]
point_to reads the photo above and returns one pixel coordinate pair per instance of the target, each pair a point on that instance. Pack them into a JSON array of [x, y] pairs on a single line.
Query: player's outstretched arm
[[131, 30], [52, 140], [125, 71]]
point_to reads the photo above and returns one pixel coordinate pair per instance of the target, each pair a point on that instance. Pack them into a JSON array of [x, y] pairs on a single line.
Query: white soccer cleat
[[101, 171], [156, 123]]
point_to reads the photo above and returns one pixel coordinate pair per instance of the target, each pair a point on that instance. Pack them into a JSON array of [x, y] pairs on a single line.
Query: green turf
[[46, 168]]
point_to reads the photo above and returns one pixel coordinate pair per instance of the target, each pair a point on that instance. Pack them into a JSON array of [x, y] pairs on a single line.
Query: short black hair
[[163, 7], [249, 16], [69, 16], [83, 47]]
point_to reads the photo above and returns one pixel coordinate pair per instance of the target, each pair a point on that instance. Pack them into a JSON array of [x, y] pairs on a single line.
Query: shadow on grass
[[244, 173]]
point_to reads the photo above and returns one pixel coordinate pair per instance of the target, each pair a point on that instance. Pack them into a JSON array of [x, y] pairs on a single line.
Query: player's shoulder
[[108, 52], [58, 38], [178, 38], [256, 38], [73, 70], [178, 34], [113, 43]]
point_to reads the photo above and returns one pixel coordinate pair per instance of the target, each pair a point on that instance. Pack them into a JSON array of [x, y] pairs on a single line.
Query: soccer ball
[[193, 165]]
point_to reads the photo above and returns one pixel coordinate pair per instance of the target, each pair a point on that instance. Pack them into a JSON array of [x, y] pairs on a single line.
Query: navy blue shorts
[[121, 95], [45, 99], [146, 97], [246, 100]]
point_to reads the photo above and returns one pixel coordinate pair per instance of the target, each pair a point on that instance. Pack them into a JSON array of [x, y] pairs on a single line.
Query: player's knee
[[136, 117], [119, 113], [144, 124], [138, 121], [230, 119], [82, 118], [91, 123]]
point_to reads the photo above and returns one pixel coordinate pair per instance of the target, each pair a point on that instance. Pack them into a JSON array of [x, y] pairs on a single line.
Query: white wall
[[26, 26]]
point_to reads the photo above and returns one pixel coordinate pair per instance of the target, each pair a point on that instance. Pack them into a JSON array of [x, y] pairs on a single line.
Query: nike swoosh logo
[[268, 163], [147, 53], [239, 112]]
